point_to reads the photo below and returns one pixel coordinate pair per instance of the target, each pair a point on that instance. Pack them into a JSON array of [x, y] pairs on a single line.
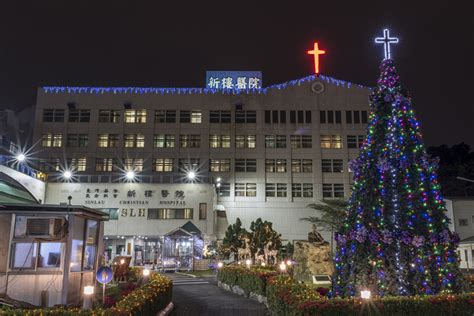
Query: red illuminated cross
[[316, 52]]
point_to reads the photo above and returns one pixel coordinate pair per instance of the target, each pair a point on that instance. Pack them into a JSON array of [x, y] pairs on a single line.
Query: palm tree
[[333, 213]]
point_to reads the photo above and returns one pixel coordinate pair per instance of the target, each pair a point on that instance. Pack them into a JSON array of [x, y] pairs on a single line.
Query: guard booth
[[180, 247], [49, 253]]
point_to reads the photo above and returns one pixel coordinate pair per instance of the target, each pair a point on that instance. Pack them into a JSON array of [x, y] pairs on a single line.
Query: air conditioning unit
[[44, 227]]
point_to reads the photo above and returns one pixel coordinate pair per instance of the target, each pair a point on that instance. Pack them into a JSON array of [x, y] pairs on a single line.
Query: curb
[[167, 310]]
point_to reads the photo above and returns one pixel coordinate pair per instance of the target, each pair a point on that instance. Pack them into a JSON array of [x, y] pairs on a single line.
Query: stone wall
[[312, 258]]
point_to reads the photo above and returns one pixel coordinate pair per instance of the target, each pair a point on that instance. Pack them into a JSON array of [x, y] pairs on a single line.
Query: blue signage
[[234, 79], [104, 275]]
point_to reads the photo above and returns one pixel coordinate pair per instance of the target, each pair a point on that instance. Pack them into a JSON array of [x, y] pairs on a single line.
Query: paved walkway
[[201, 296]]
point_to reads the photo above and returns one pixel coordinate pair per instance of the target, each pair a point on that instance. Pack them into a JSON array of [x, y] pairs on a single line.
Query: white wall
[[135, 222]]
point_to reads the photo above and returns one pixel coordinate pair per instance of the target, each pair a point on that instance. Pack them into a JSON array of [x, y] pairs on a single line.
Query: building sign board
[[234, 80]]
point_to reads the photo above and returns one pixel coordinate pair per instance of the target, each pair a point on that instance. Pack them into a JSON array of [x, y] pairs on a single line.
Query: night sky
[[115, 43]]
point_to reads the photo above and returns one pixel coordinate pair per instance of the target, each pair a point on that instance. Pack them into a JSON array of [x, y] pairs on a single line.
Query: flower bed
[[148, 299], [284, 296]]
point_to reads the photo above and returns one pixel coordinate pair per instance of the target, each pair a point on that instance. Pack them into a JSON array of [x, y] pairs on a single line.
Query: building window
[[53, 115], [135, 164], [79, 116], [224, 190], [109, 116], [331, 165], [463, 222], [107, 140], [302, 165], [164, 141], [301, 141], [246, 189], [245, 117], [219, 116], [163, 164], [245, 141], [356, 117], [330, 117], [135, 116], [276, 190], [275, 141], [219, 165], [275, 165], [165, 116], [188, 164], [202, 210], [333, 190], [170, 213], [134, 140], [105, 164], [78, 164], [300, 117], [52, 164], [331, 141], [190, 141], [77, 140], [355, 141], [245, 165], [112, 212], [302, 190], [275, 117], [51, 140], [219, 141], [194, 117]]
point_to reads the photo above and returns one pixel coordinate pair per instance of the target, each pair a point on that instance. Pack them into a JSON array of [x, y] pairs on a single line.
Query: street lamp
[[191, 175], [130, 175], [20, 157], [248, 262], [146, 272], [88, 293], [282, 267], [220, 264], [465, 179], [67, 175]]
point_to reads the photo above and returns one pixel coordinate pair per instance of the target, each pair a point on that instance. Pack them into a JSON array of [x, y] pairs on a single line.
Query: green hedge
[[250, 280], [146, 300], [287, 297]]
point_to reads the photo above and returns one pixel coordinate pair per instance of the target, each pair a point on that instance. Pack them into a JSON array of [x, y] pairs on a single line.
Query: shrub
[[146, 300], [253, 280]]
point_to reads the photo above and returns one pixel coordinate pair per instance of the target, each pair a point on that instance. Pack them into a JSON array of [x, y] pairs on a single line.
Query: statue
[[315, 236]]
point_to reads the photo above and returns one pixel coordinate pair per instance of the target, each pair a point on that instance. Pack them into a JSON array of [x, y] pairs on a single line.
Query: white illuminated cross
[[386, 40]]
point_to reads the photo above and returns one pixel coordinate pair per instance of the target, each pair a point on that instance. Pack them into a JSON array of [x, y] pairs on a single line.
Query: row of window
[[195, 116], [330, 190], [352, 117], [140, 116], [215, 165], [194, 141]]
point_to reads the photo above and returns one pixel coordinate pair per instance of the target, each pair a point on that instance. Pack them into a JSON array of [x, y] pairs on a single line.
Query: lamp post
[[88, 293]]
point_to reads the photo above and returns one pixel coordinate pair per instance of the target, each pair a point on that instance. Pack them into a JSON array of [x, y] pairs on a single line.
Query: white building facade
[[264, 153]]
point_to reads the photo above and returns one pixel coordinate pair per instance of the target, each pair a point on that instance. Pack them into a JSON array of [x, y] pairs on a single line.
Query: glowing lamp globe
[[191, 175], [88, 290], [20, 157], [67, 174], [130, 175], [365, 294], [282, 267], [220, 264], [248, 262], [146, 272]]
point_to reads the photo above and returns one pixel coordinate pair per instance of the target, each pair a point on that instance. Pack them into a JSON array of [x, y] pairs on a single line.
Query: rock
[[312, 258]]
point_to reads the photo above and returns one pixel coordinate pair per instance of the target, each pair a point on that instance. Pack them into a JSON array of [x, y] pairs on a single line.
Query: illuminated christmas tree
[[396, 239]]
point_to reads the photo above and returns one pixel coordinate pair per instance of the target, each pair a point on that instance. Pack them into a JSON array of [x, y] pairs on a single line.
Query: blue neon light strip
[[138, 90]]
